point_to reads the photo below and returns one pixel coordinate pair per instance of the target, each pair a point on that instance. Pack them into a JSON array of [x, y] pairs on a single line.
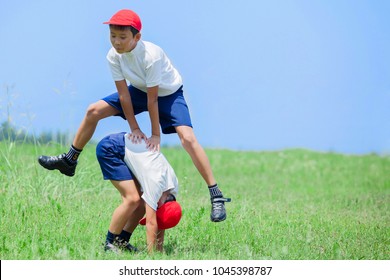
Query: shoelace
[[218, 205], [52, 158], [56, 157]]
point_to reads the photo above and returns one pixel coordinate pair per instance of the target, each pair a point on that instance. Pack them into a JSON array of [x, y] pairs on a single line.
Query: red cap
[[168, 215], [127, 18]]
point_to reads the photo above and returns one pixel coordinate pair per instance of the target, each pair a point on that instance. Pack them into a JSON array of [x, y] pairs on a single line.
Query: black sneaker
[[109, 247], [57, 162], [218, 211], [118, 246], [126, 246]]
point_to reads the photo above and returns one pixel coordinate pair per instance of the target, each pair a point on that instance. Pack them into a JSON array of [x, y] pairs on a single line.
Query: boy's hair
[[125, 27]]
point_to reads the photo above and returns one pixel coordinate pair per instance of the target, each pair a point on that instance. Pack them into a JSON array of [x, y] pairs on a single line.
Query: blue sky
[[258, 75]]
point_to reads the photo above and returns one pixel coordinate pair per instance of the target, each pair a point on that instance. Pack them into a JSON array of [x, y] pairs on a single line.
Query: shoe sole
[[112, 251], [67, 174], [218, 220]]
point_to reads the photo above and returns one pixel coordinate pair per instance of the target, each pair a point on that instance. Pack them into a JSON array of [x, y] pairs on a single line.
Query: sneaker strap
[[220, 199]]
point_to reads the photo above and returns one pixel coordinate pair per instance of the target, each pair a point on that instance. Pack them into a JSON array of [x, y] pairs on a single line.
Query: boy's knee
[[93, 112], [188, 139], [133, 201]]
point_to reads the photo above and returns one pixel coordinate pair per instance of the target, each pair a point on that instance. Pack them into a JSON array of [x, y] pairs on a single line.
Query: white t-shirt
[[145, 66], [152, 170]]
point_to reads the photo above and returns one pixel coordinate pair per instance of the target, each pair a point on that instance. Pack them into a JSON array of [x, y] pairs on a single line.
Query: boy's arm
[[151, 228], [153, 142], [160, 240], [127, 106]]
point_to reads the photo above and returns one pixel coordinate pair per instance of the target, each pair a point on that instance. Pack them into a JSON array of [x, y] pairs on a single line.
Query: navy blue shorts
[[110, 153], [173, 109]]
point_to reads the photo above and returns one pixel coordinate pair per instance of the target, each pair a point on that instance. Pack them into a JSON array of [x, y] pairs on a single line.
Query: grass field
[[286, 205]]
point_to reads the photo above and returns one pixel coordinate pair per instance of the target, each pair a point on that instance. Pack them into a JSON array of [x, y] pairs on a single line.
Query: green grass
[[286, 205]]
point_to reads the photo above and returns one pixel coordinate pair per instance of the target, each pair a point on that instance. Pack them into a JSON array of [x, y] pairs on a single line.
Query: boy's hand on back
[[137, 135], [153, 143]]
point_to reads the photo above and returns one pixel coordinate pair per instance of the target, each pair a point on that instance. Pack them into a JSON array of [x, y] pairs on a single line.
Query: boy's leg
[[110, 152], [130, 226], [125, 217], [196, 152], [95, 112], [66, 163], [137, 214], [132, 223], [201, 162], [131, 201]]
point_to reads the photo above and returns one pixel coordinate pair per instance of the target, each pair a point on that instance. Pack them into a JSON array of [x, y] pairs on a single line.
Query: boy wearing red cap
[[156, 87], [153, 191]]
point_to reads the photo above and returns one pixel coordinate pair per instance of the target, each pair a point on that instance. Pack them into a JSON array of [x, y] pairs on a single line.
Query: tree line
[[9, 132]]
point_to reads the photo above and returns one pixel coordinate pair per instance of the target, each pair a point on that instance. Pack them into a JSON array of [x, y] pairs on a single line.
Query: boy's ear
[[138, 36]]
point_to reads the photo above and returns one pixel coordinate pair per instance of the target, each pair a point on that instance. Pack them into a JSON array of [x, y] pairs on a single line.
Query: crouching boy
[[147, 184]]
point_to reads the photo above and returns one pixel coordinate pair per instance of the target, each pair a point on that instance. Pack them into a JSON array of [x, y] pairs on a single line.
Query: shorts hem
[[118, 178], [172, 129]]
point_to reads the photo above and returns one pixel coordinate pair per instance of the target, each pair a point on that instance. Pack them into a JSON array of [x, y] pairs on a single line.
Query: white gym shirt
[[145, 66], [152, 171]]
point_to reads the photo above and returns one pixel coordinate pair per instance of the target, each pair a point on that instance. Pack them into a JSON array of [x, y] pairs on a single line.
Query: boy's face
[[123, 40]]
